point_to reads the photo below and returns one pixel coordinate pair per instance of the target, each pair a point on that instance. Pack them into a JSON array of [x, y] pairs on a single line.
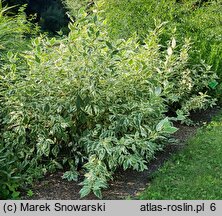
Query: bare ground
[[126, 183]]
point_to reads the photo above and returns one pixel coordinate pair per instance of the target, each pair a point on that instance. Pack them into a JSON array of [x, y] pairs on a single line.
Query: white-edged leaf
[[170, 129], [98, 193], [161, 124], [169, 51], [85, 191], [173, 43], [158, 91], [70, 175]]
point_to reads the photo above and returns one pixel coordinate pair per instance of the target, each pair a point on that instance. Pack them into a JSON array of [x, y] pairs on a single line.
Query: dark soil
[[126, 184]]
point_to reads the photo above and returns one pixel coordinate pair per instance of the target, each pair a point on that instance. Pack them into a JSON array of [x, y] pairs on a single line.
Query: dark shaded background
[[49, 14]]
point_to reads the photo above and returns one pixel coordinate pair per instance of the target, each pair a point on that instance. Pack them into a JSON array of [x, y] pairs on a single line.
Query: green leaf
[[97, 33], [161, 124], [114, 52], [64, 125], [37, 59], [213, 84], [58, 165], [158, 91], [46, 107], [71, 175], [180, 115], [170, 129], [109, 44], [91, 29], [43, 146], [165, 126], [10, 55], [98, 193], [85, 191], [55, 150], [30, 193], [95, 18], [15, 194], [36, 42], [79, 102]]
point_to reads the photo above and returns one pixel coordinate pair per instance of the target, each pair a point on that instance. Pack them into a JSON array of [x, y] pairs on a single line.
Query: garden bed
[[126, 184]]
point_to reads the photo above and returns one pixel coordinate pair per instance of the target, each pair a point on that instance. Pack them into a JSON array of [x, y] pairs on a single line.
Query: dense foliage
[[91, 102], [200, 20], [14, 33]]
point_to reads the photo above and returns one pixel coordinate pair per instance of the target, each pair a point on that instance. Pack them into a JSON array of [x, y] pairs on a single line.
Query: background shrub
[[93, 101], [198, 20]]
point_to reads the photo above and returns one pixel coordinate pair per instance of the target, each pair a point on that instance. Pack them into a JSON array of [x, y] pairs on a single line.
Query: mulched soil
[[126, 183]]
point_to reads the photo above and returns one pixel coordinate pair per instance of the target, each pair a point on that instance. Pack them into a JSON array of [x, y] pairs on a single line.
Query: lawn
[[195, 173]]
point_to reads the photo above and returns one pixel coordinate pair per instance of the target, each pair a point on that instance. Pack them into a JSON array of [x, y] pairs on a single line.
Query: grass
[[193, 174]]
